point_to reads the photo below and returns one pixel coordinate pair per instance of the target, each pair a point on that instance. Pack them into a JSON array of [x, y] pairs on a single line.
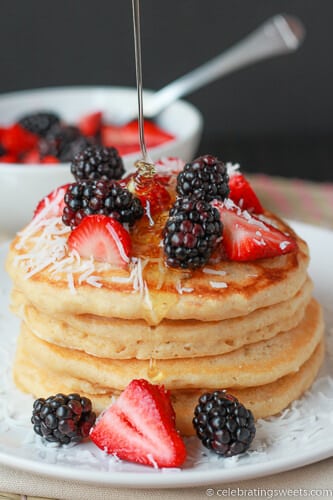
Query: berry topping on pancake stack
[[156, 289]]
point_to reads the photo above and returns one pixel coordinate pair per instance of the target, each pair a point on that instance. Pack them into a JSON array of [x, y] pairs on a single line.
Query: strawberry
[[32, 156], [9, 158], [167, 170], [139, 427], [245, 237], [153, 195], [16, 139], [90, 125], [102, 238], [243, 195], [49, 159], [126, 137], [52, 204], [154, 135], [127, 149]]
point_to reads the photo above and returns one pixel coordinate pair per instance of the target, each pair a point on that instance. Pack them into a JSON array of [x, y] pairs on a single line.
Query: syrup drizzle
[[145, 167]]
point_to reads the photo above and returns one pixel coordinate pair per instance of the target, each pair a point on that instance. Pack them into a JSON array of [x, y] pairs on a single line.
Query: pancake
[[263, 401], [59, 282], [90, 327], [124, 339], [252, 365]]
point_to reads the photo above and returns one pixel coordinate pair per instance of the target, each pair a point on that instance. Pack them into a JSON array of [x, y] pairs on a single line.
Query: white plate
[[301, 435]]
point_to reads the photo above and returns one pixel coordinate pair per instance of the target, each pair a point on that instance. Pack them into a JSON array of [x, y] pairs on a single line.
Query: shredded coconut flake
[[232, 168], [217, 272], [284, 244], [183, 289], [218, 284]]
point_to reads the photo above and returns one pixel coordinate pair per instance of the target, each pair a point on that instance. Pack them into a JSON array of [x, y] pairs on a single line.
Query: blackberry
[[100, 197], [63, 142], [39, 123], [63, 419], [205, 178], [97, 162], [191, 233], [223, 424]]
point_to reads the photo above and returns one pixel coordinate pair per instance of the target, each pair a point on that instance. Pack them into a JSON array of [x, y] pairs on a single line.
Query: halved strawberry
[[16, 139], [126, 138], [50, 159], [53, 204], [245, 237], [242, 193], [167, 170], [102, 238], [9, 158], [90, 125], [151, 192], [139, 427], [32, 156], [127, 149]]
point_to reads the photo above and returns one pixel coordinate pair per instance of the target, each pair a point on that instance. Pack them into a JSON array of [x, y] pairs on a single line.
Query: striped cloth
[[305, 201]]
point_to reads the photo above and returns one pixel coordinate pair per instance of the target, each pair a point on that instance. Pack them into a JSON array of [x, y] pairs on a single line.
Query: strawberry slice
[[139, 427], [167, 170], [127, 149], [16, 139], [126, 138], [102, 238], [53, 204], [90, 125], [243, 194], [50, 159], [151, 192], [32, 156], [245, 237], [9, 158]]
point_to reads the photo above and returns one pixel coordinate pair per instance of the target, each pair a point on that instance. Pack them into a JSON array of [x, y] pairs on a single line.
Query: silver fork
[[278, 35]]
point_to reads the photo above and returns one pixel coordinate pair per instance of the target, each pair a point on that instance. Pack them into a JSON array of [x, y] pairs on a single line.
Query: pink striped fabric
[[296, 199]]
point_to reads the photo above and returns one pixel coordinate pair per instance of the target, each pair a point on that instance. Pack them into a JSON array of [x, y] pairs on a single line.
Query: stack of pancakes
[[252, 328]]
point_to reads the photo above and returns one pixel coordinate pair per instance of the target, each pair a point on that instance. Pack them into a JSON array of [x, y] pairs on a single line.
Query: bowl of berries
[[42, 130]]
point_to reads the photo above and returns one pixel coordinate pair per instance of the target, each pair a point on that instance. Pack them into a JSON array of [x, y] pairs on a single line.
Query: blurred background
[[274, 117]]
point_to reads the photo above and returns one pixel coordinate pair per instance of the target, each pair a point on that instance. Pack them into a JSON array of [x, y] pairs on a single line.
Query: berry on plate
[[223, 424], [63, 419], [90, 125], [242, 193], [97, 162], [152, 193], [102, 238], [205, 178], [191, 233], [245, 237], [167, 170], [140, 427], [53, 204], [39, 123], [126, 137], [100, 197], [17, 140]]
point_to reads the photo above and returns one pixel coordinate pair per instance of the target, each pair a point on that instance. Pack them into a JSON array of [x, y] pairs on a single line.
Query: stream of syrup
[[145, 167]]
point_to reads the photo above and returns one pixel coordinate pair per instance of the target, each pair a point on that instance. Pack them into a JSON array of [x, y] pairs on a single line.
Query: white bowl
[[22, 186]]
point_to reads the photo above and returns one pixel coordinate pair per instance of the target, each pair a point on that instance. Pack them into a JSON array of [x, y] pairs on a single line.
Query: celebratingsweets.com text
[[269, 492]]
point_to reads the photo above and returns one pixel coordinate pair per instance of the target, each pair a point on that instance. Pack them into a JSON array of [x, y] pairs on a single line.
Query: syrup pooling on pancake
[[42, 253], [179, 326]]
